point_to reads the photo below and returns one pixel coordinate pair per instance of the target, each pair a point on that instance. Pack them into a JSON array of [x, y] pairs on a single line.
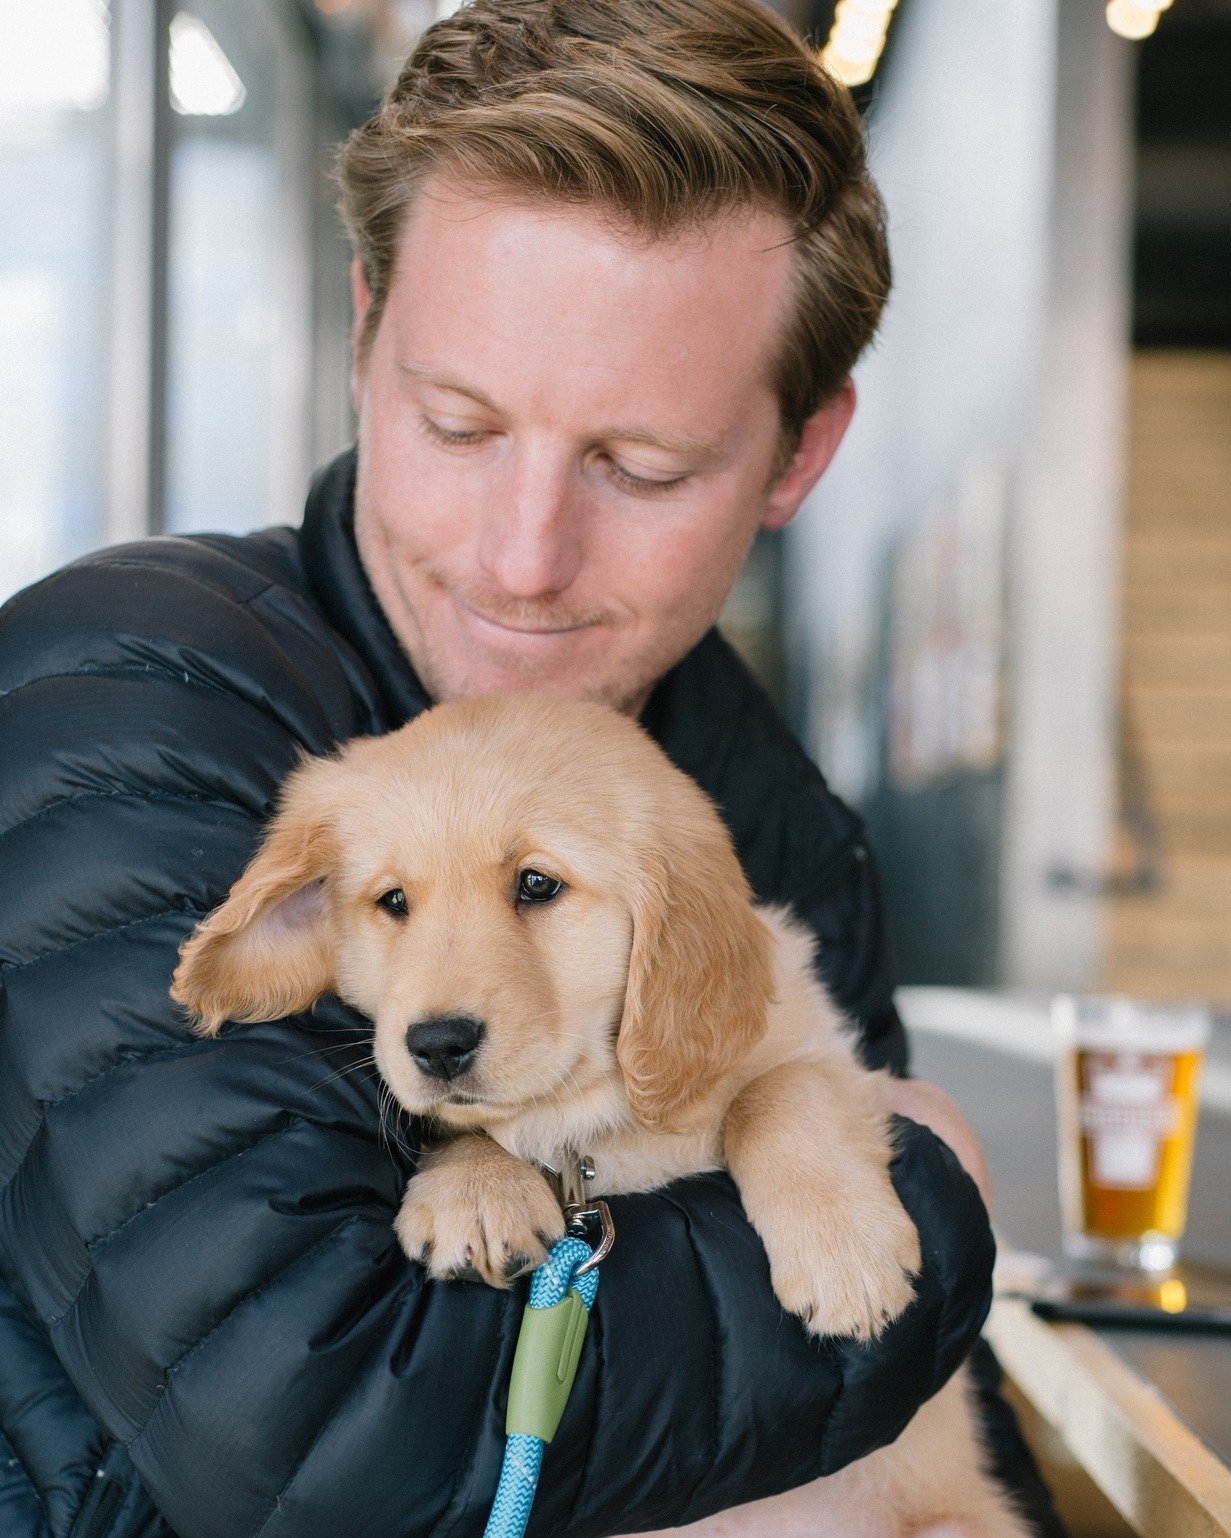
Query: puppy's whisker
[[368, 1062], [402, 1147], [389, 1102], [552, 1017], [337, 1046], [555, 1088], [597, 1001], [367, 1057]]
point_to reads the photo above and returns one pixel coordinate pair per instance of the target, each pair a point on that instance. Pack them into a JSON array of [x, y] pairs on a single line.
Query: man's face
[[566, 438]]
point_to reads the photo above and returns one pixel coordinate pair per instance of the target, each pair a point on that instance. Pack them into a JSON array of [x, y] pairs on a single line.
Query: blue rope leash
[[550, 1287]]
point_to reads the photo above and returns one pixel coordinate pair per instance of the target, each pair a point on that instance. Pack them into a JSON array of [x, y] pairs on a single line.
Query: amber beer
[[1127, 1083]]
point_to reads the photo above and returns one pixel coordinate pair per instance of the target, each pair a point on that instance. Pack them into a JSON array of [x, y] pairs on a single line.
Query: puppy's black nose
[[445, 1046]]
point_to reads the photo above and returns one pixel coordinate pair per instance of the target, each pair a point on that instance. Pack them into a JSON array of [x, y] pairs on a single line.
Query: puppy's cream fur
[[649, 1015]]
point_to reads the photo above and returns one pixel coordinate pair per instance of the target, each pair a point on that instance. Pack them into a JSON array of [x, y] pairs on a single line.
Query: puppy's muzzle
[[444, 1047]]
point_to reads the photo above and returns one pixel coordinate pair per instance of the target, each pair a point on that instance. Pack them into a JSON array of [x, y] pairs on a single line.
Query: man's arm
[[931, 1107], [203, 1230]]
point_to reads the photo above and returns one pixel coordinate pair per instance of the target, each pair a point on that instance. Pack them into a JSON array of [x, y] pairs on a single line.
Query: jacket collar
[[340, 585]]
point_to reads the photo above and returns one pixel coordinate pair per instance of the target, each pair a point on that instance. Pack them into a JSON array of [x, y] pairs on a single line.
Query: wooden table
[[1147, 1413]]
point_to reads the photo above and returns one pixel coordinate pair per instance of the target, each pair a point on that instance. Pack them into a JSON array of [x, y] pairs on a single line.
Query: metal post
[[291, 415], [136, 470]]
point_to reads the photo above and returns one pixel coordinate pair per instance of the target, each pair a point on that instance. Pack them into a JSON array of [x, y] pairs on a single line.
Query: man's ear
[[699, 978], [819, 441], [361, 303], [268, 950]]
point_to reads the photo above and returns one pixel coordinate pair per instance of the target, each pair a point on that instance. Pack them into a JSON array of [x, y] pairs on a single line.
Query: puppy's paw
[[845, 1267], [479, 1218]]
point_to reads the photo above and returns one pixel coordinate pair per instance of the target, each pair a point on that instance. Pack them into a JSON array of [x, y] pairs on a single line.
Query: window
[[160, 220], [55, 122], [238, 350]]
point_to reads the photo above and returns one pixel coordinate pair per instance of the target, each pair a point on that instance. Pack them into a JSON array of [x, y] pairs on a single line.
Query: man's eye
[[641, 485], [393, 902], [534, 887], [457, 437]]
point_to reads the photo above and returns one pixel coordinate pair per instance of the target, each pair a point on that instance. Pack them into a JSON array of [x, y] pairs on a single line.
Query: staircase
[[1176, 682]]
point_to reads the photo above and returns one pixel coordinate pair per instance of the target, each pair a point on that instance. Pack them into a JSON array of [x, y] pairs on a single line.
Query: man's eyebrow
[[689, 448], [444, 382]]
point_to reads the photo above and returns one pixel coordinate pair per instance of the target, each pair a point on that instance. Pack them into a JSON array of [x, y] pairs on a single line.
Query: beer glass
[[1127, 1078]]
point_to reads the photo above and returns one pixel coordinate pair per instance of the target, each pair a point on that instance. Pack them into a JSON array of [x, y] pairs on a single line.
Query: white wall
[[1061, 790], [960, 147], [999, 141]]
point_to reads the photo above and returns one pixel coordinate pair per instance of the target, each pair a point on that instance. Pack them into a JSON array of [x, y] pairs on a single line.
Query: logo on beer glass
[[1127, 1080]]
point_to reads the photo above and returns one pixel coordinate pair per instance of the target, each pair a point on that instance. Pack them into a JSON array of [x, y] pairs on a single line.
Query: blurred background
[[1003, 626]]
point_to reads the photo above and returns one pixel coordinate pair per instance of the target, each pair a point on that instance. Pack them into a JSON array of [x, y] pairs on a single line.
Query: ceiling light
[[855, 50], [857, 39], [859, 26], [203, 79], [867, 7], [850, 72], [1131, 19]]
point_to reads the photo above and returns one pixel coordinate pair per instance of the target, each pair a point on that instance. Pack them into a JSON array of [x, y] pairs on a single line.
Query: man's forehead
[[753, 245], [486, 285]]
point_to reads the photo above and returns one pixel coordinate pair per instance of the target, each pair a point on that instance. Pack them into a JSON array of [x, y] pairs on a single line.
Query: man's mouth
[[534, 621], [509, 627]]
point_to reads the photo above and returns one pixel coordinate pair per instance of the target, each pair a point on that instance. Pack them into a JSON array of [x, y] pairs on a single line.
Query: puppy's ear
[[699, 977], [268, 950]]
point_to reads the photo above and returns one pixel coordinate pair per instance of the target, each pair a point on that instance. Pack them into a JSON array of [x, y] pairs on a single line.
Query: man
[[614, 263]]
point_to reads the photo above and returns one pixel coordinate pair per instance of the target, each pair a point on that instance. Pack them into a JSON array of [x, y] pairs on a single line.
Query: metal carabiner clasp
[[579, 1219], [568, 1183]]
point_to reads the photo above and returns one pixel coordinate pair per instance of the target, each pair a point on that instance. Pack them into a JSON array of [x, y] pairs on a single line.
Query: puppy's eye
[[534, 887], [393, 902]]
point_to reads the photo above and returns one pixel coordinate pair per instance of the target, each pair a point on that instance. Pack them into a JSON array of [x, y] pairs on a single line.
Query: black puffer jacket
[[202, 1283]]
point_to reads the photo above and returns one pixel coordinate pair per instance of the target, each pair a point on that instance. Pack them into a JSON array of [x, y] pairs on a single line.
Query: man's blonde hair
[[662, 113]]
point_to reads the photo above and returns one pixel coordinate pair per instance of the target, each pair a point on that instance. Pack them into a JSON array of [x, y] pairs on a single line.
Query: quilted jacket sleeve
[[201, 1230]]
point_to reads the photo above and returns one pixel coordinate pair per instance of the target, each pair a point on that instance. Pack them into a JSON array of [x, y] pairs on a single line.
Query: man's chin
[[562, 684], [565, 679]]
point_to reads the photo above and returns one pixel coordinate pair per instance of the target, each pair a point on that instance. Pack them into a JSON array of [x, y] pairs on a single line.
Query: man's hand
[[928, 1105]]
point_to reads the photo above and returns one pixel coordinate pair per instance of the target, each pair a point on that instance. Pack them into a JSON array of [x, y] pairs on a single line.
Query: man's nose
[[444, 1047], [534, 536]]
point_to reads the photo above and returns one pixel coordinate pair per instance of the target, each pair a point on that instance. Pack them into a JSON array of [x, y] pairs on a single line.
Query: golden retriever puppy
[[548, 925]]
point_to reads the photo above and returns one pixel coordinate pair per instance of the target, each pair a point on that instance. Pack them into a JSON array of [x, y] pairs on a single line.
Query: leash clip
[[569, 1181], [590, 1221], [580, 1220]]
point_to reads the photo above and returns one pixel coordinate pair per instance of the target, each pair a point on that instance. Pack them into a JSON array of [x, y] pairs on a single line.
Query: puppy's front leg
[[808, 1146], [474, 1210]]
